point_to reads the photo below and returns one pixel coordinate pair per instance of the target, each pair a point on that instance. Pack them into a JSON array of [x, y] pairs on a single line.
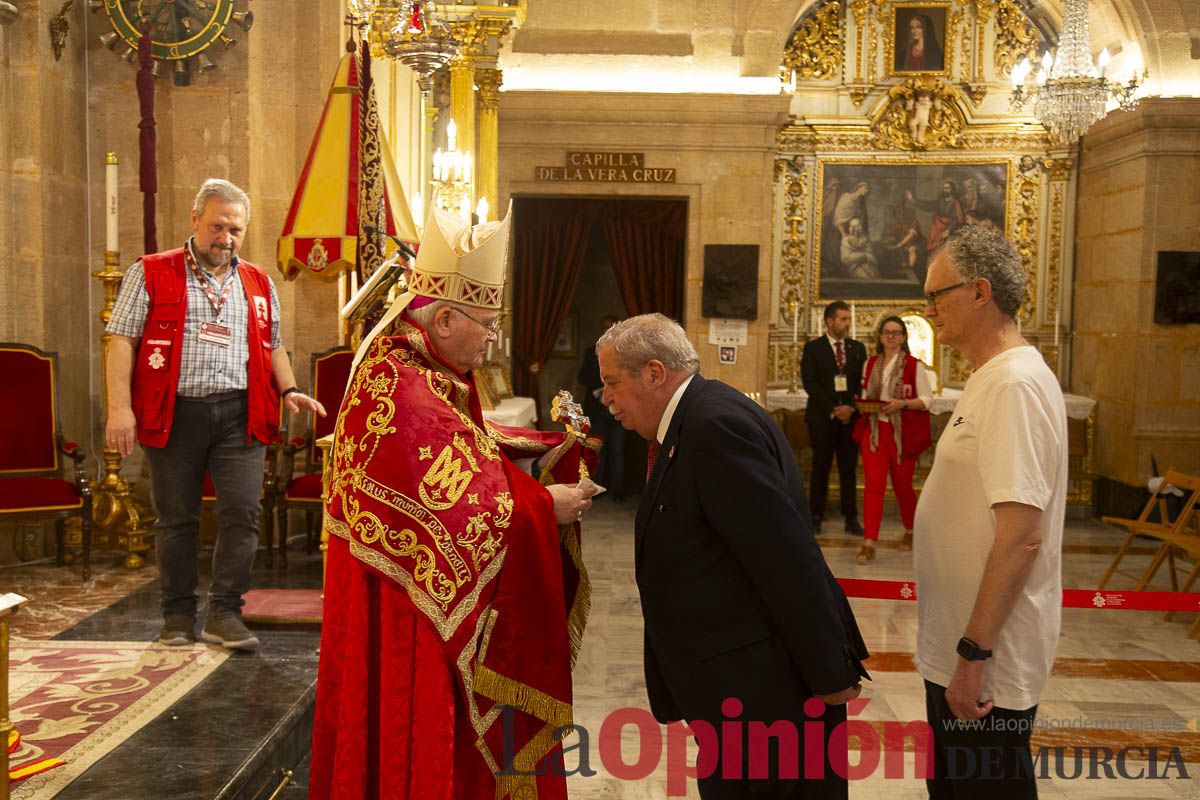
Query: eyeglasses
[[493, 328], [931, 297], [890, 334]]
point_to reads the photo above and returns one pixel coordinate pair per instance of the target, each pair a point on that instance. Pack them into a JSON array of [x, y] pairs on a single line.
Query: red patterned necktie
[[651, 457], [839, 356]]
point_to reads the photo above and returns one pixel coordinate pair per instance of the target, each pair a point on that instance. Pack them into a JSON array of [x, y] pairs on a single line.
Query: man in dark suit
[[832, 368], [737, 599], [610, 471]]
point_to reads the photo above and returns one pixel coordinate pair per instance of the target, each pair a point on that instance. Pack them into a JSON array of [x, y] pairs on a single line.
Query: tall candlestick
[[853, 322], [1056, 329], [795, 323], [110, 202], [508, 348]]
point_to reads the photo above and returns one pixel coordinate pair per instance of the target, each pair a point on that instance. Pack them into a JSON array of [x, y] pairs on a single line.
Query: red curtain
[[549, 243], [646, 242]]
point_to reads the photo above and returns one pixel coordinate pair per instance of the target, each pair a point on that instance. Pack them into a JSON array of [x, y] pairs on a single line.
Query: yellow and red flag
[[321, 233]]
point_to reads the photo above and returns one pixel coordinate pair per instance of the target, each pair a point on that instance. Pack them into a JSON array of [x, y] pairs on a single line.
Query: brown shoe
[[866, 553], [906, 542]]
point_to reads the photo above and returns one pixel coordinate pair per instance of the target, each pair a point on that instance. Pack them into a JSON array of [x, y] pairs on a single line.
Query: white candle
[[1056, 328], [110, 202], [508, 348], [489, 351], [853, 323], [795, 323]]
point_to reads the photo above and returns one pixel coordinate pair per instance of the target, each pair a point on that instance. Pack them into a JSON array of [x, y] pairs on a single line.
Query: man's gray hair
[[650, 336], [978, 252], [224, 191], [423, 316]]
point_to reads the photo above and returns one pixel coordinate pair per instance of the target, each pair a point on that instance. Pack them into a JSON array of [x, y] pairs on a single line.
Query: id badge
[[212, 333], [840, 384]]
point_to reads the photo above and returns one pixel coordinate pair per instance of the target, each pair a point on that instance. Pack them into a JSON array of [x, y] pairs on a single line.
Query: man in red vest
[[196, 370]]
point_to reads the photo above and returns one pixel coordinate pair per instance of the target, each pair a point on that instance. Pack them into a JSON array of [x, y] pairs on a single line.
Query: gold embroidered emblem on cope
[[446, 480]]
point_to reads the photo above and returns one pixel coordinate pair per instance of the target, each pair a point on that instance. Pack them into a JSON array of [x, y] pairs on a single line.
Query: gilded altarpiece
[[942, 120]]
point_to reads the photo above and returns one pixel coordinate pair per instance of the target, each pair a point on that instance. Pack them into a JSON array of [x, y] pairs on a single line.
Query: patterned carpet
[[78, 700]]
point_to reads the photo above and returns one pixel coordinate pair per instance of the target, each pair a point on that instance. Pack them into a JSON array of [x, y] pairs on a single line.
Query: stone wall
[[721, 148], [1139, 193], [44, 285]]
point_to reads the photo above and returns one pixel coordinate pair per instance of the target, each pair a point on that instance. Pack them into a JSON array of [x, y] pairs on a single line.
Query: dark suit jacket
[[589, 376], [818, 368], [736, 595]]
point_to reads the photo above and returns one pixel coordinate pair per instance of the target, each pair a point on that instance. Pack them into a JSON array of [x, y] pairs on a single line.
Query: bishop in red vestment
[[455, 593]]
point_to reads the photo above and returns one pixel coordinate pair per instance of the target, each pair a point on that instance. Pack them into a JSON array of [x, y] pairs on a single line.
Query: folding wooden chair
[[1163, 528], [1186, 539]]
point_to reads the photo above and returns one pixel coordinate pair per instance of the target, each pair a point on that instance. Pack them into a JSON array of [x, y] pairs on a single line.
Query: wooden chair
[[1187, 540], [1162, 528], [32, 485], [330, 375], [208, 496]]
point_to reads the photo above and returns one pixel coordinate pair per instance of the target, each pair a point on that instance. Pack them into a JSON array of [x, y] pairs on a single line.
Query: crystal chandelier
[[411, 32], [1071, 93]]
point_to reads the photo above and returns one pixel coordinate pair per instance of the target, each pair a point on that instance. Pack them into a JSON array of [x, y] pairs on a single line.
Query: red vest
[[915, 434], [160, 353]]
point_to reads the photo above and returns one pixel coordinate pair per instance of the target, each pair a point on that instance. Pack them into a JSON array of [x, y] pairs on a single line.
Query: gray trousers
[[207, 434]]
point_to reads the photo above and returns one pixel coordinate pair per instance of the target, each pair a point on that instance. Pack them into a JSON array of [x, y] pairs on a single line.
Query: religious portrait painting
[[877, 224], [917, 41]]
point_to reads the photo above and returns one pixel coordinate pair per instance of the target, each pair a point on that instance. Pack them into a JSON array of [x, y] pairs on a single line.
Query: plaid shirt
[[206, 368]]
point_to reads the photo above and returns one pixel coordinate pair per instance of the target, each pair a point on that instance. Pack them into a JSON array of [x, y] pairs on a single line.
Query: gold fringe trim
[[508, 692], [581, 608], [524, 787]]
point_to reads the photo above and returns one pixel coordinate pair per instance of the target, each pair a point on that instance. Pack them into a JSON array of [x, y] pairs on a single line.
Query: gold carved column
[[487, 183], [462, 87]]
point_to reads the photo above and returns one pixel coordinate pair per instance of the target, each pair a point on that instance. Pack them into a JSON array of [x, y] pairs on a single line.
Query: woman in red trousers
[[892, 439]]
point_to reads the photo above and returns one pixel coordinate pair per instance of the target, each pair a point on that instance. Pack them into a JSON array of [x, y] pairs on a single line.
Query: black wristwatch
[[971, 651], [290, 390]]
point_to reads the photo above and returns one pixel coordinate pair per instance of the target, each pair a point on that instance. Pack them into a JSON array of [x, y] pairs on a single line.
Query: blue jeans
[[207, 434]]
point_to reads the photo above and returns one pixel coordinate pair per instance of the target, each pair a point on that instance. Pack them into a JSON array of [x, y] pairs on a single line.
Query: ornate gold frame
[[948, 36], [1010, 228], [815, 49]]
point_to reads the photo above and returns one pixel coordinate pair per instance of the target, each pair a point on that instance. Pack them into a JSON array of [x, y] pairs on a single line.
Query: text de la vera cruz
[[606, 167]]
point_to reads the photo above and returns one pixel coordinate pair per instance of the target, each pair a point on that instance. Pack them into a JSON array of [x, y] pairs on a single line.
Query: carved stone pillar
[[488, 82]]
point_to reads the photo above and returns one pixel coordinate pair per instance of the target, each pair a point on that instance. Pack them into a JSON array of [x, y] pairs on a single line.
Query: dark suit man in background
[[737, 599], [610, 472], [832, 368]]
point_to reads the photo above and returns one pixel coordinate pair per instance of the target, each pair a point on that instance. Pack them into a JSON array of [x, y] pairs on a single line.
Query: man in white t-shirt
[[988, 529]]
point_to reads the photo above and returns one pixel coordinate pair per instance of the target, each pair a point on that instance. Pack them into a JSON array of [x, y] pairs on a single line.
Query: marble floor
[[1121, 678], [224, 738]]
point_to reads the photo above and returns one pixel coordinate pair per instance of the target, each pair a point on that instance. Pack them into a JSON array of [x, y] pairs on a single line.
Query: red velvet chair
[[330, 374], [208, 497], [32, 484]]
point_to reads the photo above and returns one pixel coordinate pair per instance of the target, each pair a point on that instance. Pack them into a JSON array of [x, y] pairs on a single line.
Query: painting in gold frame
[[877, 222], [919, 39], [496, 378]]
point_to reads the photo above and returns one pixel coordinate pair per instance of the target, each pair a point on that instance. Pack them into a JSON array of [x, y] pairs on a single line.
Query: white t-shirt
[[1006, 442]]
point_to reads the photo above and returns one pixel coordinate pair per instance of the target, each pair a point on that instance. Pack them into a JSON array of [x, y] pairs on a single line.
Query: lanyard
[[217, 302]]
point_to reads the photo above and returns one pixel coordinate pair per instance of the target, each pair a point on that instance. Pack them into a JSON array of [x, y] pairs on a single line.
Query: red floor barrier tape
[[1072, 598]]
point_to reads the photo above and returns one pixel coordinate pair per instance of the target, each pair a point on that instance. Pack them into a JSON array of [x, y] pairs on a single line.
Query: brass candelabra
[[121, 521]]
